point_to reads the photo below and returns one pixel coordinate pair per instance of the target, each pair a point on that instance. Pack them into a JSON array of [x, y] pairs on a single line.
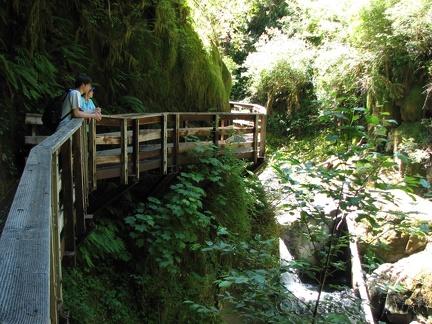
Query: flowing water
[[301, 298], [291, 280]]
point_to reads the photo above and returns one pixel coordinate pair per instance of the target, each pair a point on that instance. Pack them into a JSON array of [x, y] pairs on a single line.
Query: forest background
[[300, 59]]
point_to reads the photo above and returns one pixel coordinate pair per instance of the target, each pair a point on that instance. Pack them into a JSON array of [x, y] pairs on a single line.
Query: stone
[[402, 222], [401, 292]]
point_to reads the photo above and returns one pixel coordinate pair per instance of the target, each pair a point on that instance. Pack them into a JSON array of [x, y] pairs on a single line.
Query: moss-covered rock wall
[[143, 56]]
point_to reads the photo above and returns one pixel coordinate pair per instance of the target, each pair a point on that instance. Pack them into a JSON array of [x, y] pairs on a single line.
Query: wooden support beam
[[92, 181], [176, 143], [358, 280], [136, 148], [262, 135], [68, 201], [79, 158], [216, 130], [124, 153], [255, 140], [55, 253], [164, 146]]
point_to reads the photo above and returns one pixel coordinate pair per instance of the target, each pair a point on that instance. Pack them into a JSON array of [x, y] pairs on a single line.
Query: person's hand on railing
[[97, 114], [94, 114]]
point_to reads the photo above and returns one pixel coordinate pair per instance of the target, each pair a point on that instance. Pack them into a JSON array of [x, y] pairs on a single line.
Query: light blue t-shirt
[[89, 105], [72, 101]]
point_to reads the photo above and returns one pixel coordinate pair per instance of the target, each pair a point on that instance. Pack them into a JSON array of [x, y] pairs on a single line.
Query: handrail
[[48, 213], [253, 108], [30, 268], [141, 142]]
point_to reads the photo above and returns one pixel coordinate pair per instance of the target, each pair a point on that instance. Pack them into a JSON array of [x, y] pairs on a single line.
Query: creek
[[302, 297]]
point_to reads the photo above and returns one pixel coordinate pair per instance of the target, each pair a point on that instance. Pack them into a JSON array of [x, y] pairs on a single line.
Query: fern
[[131, 103], [103, 243]]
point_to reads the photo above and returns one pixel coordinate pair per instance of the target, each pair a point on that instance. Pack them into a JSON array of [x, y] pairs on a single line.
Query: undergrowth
[[150, 258]]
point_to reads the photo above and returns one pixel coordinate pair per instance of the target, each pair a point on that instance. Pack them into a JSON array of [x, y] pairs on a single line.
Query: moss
[[411, 107]]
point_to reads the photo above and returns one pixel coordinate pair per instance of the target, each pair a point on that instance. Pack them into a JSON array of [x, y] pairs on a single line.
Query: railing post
[[164, 145], [124, 153], [136, 148], [176, 143], [263, 135], [80, 157], [68, 203], [216, 131], [92, 155], [255, 139], [55, 253]]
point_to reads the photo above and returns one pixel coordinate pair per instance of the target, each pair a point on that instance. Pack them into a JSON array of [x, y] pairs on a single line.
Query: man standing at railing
[[72, 105]]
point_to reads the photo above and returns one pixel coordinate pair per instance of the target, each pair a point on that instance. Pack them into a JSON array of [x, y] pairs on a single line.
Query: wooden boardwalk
[[50, 212]]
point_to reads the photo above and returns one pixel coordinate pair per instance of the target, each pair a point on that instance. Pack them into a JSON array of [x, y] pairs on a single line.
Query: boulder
[[411, 107], [307, 236], [402, 292], [401, 228]]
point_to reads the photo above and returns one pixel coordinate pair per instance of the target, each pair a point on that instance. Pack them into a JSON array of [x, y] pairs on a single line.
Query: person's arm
[[79, 113]]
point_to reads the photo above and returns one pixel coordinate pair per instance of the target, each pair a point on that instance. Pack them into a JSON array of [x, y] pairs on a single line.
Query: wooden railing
[[49, 213], [126, 145], [46, 217]]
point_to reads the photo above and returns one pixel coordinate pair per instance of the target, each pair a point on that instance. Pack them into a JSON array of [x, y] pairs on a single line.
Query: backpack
[[52, 115]]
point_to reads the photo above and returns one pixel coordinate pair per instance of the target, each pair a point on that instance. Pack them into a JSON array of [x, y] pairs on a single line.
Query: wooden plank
[[25, 247], [253, 108], [144, 119], [114, 138], [136, 149], [358, 280], [176, 143], [68, 200], [255, 140], [151, 119], [215, 129], [56, 282], [262, 139], [85, 164], [164, 146], [92, 155], [188, 117], [113, 156], [33, 119], [109, 121], [34, 140], [124, 154], [79, 158]]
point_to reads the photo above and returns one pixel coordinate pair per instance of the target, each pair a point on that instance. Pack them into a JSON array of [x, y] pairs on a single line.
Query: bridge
[[52, 210]]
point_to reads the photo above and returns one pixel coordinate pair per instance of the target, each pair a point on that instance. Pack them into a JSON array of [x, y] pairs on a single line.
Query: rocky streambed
[[399, 280]]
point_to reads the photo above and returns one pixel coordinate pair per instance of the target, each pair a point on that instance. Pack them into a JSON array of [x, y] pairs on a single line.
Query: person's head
[[89, 94], [84, 82]]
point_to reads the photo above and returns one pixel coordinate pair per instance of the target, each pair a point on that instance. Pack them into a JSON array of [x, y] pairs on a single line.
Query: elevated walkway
[[52, 209]]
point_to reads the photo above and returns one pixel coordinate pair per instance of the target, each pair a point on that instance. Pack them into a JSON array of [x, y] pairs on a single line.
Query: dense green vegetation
[[303, 58], [171, 249], [142, 56]]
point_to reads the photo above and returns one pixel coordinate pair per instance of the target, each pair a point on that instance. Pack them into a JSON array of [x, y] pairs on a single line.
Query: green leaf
[[332, 138], [403, 158], [224, 284], [424, 183], [374, 120]]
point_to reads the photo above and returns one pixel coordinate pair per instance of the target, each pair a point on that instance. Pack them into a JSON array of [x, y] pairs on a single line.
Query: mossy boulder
[[411, 140], [411, 106], [403, 222], [401, 292]]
